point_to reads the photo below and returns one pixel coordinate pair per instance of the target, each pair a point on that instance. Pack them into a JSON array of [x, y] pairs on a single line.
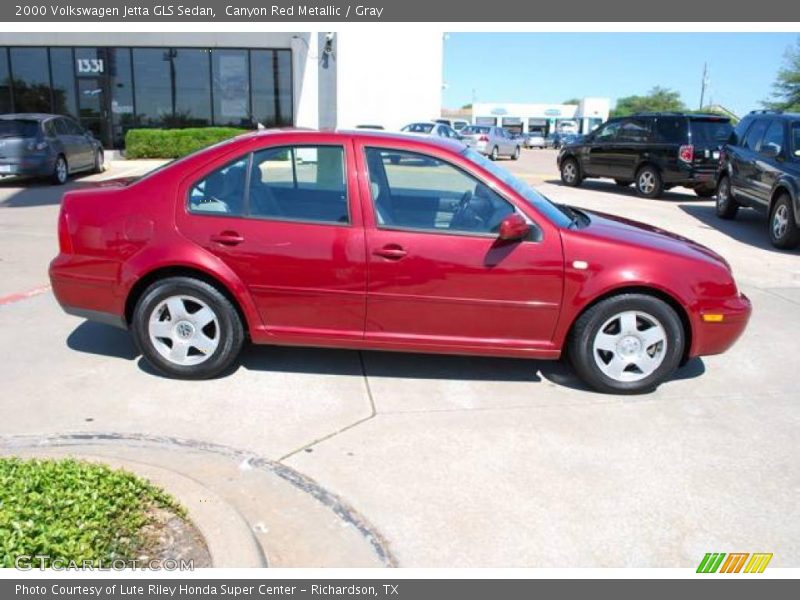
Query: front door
[[438, 274], [281, 218], [599, 153]]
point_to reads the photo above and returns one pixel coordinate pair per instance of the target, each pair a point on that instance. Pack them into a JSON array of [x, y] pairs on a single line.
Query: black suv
[[760, 168], [655, 151]]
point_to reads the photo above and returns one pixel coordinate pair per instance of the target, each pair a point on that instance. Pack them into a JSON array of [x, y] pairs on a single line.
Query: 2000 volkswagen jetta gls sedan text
[[388, 242]]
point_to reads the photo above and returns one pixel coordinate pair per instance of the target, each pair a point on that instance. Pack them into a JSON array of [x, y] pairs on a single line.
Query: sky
[[553, 67]]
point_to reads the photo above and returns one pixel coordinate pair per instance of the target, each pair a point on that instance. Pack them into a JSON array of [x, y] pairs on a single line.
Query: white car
[[432, 128], [535, 140], [457, 124], [491, 141]]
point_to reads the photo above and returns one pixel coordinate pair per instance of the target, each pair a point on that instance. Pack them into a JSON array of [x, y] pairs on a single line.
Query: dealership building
[[588, 113], [112, 82]]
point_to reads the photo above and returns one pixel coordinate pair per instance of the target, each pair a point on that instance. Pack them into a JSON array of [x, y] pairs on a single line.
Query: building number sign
[[90, 66]]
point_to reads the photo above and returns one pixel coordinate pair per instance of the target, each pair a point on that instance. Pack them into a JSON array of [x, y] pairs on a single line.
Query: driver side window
[[416, 191], [607, 133]]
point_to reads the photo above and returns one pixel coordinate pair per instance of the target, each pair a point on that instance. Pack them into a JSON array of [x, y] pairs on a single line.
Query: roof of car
[[374, 134], [773, 113], [28, 116]]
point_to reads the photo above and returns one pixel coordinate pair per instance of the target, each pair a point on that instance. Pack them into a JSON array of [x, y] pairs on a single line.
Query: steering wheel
[[461, 210]]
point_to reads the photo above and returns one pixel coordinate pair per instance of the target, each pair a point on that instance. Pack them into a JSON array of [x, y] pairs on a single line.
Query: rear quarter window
[[710, 132], [670, 130]]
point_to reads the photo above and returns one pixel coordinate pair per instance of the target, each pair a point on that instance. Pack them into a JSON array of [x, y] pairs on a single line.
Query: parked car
[[445, 252], [567, 127], [655, 151], [490, 141], [760, 169], [535, 140], [457, 124], [43, 145], [557, 140], [368, 126], [432, 128]]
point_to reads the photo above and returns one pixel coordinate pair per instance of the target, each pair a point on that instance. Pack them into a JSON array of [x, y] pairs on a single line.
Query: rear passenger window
[[302, 183], [222, 191], [633, 130], [670, 130], [754, 134]]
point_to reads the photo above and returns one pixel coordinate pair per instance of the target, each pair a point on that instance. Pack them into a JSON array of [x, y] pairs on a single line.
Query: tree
[[657, 99], [786, 89], [467, 106], [572, 101]]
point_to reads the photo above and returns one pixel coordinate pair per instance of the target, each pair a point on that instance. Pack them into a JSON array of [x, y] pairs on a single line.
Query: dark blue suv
[[760, 169]]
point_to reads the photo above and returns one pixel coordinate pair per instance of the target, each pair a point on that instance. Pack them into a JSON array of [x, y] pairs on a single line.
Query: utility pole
[[703, 86]]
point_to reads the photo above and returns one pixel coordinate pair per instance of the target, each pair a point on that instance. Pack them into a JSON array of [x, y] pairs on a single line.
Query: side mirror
[[771, 150], [513, 228]]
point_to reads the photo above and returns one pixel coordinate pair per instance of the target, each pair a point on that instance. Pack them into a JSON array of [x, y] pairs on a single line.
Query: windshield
[[18, 128], [419, 128], [472, 130], [710, 131], [531, 196], [796, 140]]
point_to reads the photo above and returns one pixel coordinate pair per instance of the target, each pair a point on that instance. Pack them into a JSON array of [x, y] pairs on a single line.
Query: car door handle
[[227, 238], [392, 252]]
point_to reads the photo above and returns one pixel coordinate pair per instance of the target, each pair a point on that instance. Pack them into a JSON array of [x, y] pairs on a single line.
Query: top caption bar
[[467, 11]]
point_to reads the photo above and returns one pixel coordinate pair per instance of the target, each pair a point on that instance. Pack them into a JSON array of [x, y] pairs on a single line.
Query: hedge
[[174, 143], [73, 510]]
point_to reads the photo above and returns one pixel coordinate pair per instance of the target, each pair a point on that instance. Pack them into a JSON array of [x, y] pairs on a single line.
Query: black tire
[[623, 182], [571, 172], [495, 154], [654, 186], [515, 156], [60, 171], [99, 159], [581, 343], [726, 205], [705, 192], [230, 332], [787, 236]]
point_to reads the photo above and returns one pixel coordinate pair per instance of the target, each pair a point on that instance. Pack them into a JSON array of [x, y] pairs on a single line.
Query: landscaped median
[[64, 512], [174, 143]]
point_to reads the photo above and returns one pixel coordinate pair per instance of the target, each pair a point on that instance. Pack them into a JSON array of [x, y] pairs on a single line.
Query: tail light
[[483, 138], [686, 153], [64, 240]]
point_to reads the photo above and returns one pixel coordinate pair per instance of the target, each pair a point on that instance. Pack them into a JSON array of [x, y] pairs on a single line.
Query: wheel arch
[[164, 272], [669, 299], [784, 186]]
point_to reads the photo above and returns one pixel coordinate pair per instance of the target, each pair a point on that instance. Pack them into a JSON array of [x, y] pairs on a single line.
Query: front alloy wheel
[[495, 153], [627, 344], [569, 172]]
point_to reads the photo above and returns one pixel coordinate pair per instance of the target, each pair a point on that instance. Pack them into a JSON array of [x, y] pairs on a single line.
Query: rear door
[[285, 220], [632, 138]]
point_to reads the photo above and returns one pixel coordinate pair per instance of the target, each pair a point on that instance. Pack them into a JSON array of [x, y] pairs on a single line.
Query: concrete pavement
[[460, 461]]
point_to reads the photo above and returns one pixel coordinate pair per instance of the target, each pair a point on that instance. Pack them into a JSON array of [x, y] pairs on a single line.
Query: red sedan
[[387, 242]]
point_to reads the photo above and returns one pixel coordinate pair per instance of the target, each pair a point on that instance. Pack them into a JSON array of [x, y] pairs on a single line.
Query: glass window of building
[[265, 98], [191, 70], [152, 82], [62, 74], [121, 84], [283, 60], [231, 76], [31, 79], [5, 83]]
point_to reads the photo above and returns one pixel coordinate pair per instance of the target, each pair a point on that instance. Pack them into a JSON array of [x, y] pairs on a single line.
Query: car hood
[[627, 231]]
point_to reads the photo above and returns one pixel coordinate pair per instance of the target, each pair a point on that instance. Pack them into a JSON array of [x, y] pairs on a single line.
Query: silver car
[[432, 128], [494, 142]]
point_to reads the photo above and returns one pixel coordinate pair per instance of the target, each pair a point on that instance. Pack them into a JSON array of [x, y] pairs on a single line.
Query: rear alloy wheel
[[627, 344], [187, 328], [99, 161], [649, 183], [570, 173], [726, 205], [495, 153], [783, 230], [515, 156], [60, 171]]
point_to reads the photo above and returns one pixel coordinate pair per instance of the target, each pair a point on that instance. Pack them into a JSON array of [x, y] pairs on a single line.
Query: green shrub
[[73, 510], [174, 143]]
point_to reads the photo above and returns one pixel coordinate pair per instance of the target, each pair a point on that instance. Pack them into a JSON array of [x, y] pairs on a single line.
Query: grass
[[73, 510]]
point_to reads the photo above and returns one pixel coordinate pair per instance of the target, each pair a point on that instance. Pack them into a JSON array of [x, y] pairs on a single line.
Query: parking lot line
[[16, 297]]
